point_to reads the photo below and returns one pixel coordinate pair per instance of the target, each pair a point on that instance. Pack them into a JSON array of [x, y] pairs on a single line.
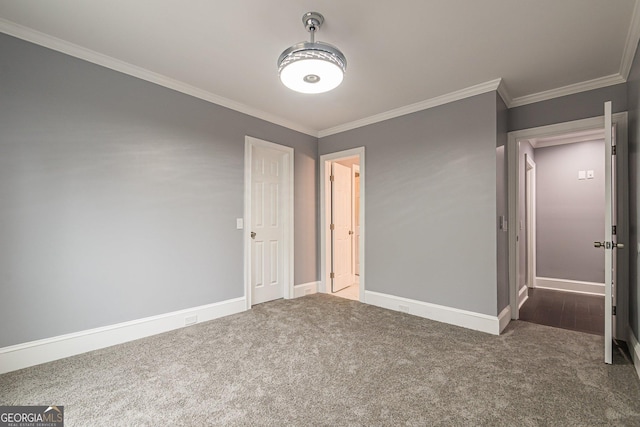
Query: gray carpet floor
[[327, 361]]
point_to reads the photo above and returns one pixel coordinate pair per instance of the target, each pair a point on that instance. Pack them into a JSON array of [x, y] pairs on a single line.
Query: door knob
[[253, 234], [350, 232], [608, 245]]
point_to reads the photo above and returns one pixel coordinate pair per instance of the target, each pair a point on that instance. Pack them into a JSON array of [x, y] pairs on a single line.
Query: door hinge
[[332, 227], [613, 229], [613, 310], [613, 150], [332, 276], [331, 178]]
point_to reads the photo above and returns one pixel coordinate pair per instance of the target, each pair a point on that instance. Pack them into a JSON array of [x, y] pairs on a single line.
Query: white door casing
[[268, 214], [341, 233], [530, 219]]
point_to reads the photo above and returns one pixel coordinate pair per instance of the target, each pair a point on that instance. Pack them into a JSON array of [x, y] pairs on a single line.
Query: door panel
[[356, 222], [267, 260], [609, 245], [341, 219]]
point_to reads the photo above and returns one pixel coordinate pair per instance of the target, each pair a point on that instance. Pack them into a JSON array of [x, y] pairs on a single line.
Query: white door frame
[[620, 119], [286, 210], [325, 203], [530, 206]]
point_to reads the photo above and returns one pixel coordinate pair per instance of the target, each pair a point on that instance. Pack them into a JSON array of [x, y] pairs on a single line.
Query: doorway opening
[[563, 200], [342, 195], [549, 255]]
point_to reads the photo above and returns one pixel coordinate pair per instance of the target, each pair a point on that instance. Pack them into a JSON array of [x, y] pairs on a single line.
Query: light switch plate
[[582, 174], [590, 174], [239, 223]]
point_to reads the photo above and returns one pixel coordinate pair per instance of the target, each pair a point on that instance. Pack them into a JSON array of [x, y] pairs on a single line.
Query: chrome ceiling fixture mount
[[312, 67]]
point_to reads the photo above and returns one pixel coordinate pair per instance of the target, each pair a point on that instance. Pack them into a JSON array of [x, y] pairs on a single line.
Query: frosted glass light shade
[[311, 76]]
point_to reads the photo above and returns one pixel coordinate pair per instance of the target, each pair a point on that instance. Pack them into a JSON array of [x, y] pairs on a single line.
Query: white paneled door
[[610, 237], [342, 232], [267, 230]]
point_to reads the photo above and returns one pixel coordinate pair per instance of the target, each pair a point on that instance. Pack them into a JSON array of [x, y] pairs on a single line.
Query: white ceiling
[[399, 53]]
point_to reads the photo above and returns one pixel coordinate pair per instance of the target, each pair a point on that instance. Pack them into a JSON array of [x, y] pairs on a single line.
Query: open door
[[609, 244], [341, 227], [355, 210]]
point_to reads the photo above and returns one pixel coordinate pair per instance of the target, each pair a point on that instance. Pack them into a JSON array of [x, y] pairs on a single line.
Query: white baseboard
[[439, 313], [504, 318], [576, 286], [523, 296], [46, 350], [634, 349], [305, 289]]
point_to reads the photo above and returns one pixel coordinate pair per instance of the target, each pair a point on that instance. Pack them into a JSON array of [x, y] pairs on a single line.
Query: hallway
[[566, 310]]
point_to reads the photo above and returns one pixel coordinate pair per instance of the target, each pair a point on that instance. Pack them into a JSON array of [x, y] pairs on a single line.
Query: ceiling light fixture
[[312, 67]]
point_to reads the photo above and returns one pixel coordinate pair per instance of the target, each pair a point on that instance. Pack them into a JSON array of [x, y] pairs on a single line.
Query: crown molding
[[631, 44], [504, 93], [412, 108], [571, 89], [50, 42]]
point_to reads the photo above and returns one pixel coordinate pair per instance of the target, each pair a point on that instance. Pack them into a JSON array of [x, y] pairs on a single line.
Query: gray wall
[[119, 197], [525, 149], [568, 108], [570, 212], [431, 203], [633, 88], [502, 236]]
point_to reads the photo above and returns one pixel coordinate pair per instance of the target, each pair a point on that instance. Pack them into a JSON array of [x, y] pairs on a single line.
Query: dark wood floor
[[566, 310]]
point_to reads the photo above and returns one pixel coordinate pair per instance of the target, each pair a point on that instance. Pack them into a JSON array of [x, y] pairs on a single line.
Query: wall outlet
[[190, 320], [403, 308]]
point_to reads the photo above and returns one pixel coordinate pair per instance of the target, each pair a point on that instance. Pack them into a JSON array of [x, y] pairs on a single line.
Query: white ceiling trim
[[571, 89], [633, 36], [504, 93], [42, 39], [481, 88]]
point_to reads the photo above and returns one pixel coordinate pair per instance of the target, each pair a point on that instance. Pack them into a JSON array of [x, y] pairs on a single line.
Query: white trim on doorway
[[584, 125], [325, 203], [286, 210], [530, 206], [523, 296]]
